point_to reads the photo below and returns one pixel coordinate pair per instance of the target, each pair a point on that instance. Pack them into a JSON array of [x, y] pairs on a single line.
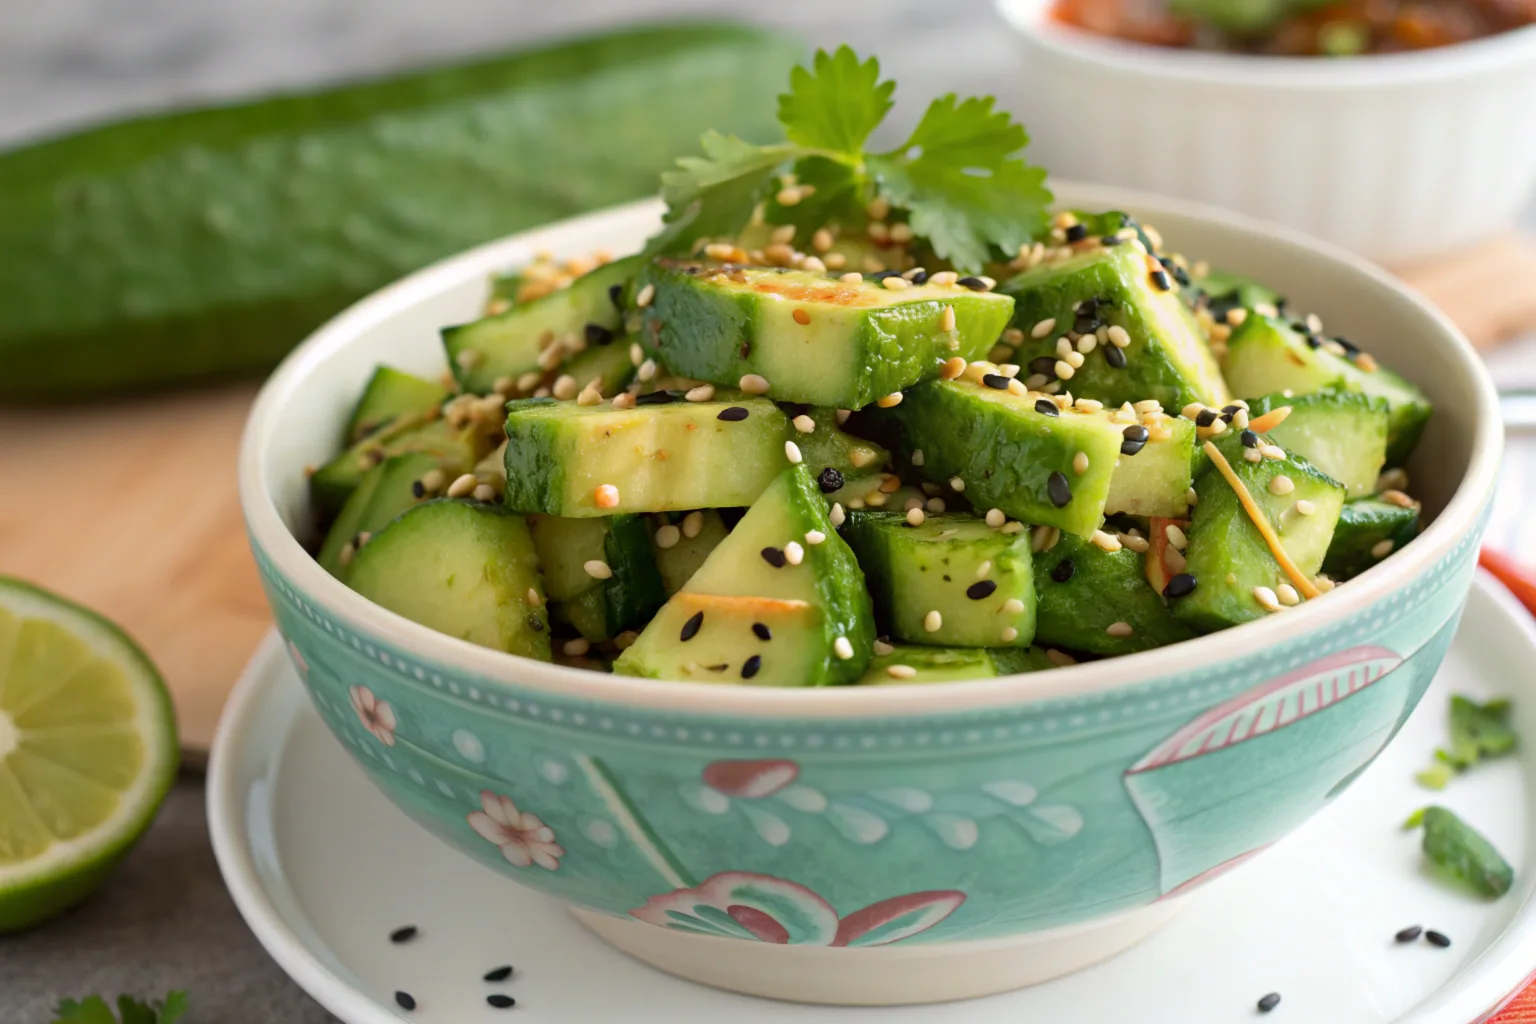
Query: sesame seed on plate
[[1398, 498], [852, 277], [647, 370], [636, 353], [1063, 369], [1272, 451], [1013, 527], [484, 492], [1305, 507], [1105, 541]]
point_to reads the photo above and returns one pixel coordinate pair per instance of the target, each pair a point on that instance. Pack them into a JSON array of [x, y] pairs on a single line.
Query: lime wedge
[[87, 751]]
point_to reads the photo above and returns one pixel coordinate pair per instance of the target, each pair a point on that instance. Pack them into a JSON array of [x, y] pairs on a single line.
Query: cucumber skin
[[389, 393], [1362, 525], [687, 322], [1344, 403], [372, 506], [634, 592], [202, 244], [1106, 587]]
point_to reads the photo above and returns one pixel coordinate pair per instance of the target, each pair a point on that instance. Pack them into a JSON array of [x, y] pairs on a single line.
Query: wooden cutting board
[[130, 507]]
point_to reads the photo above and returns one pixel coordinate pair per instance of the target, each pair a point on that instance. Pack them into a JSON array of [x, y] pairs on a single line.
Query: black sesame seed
[[981, 589], [1059, 489], [829, 480], [975, 284], [597, 334], [734, 414], [1249, 439], [405, 1000], [1114, 355], [1226, 417], [1063, 570], [1300, 327], [1046, 407], [718, 668], [659, 398], [1160, 280], [1314, 341], [691, 627], [501, 1002], [418, 489], [881, 275], [774, 557], [405, 934], [1109, 240], [918, 276], [1349, 346], [1269, 1002], [501, 973], [616, 296], [1131, 447], [1181, 585], [1231, 410], [1077, 232], [1280, 303], [1044, 365], [1206, 418], [1088, 306], [995, 381], [761, 631], [1136, 432], [1435, 938], [749, 668], [1409, 934], [1086, 324]]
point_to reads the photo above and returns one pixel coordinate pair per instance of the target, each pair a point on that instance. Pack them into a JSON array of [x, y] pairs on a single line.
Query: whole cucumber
[[177, 247]]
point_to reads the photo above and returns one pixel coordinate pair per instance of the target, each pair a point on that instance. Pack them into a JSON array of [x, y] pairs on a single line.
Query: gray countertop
[[164, 920]]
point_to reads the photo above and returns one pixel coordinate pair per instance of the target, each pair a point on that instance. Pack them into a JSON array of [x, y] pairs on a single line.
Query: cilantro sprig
[[1479, 732], [958, 178], [94, 1010]]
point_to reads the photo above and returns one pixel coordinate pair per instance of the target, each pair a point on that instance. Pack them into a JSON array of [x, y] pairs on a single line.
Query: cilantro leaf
[[838, 196], [95, 1010], [962, 183], [174, 1008], [837, 104], [1478, 732], [92, 1011], [713, 195]]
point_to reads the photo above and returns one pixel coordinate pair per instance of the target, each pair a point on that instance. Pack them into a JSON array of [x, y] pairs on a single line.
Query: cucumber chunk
[[509, 344], [1369, 530], [659, 457], [1090, 599], [761, 611], [970, 583], [828, 446], [1342, 433], [385, 492], [1167, 357], [679, 555], [1019, 451], [389, 393], [462, 568], [456, 450], [1266, 354], [604, 364], [813, 337], [1227, 555], [600, 607], [911, 664]]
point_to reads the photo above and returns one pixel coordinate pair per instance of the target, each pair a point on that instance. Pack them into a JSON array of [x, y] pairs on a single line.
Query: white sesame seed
[[647, 370], [1105, 541], [1176, 536], [852, 277], [947, 319], [624, 400], [1074, 359], [462, 485], [843, 648], [1287, 594], [1012, 527], [783, 234], [1013, 606], [956, 484], [893, 399], [1035, 381], [860, 457], [901, 232], [645, 295], [1044, 538], [636, 354], [794, 554], [996, 518], [1140, 545], [881, 647], [901, 671], [484, 492], [1117, 336], [821, 240], [1191, 497], [468, 358], [1148, 405], [1009, 370], [895, 284], [934, 505], [813, 264], [1174, 559], [804, 423], [702, 393], [1063, 346], [598, 569], [753, 384], [1061, 659], [1270, 451], [433, 480], [1305, 507], [842, 416], [693, 524], [792, 453], [1087, 343], [589, 396], [576, 648], [1267, 598], [1252, 455], [1398, 498], [933, 621], [626, 639], [1282, 484], [564, 387], [528, 381], [814, 537], [1119, 629], [667, 536], [606, 496], [836, 515], [1064, 369], [345, 555], [1042, 328], [1080, 463], [550, 357], [915, 516], [1383, 548], [1009, 634]]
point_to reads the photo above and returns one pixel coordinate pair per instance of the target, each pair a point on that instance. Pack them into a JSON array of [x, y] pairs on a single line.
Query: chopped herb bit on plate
[[1461, 852]]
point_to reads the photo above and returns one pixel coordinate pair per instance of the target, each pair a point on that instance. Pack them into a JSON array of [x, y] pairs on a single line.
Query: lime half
[[87, 751]]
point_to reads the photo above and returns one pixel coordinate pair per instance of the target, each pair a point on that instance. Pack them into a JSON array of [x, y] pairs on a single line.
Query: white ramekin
[[1398, 157]]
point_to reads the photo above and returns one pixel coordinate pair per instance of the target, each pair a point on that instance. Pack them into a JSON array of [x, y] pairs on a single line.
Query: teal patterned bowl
[[896, 844]]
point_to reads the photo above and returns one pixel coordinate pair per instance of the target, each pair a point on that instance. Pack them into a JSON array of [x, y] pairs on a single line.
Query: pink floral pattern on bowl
[[376, 715], [523, 837]]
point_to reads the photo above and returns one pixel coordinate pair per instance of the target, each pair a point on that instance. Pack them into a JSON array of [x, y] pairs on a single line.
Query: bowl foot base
[[880, 976]]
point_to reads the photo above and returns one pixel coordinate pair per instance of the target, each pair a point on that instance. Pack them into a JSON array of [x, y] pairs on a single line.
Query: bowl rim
[[269, 533], [1484, 57]]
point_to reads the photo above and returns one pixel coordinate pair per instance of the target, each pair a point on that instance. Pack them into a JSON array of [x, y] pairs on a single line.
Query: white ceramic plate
[[323, 868]]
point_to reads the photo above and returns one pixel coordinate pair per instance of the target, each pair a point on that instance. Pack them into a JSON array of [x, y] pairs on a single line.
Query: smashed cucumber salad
[[869, 418]]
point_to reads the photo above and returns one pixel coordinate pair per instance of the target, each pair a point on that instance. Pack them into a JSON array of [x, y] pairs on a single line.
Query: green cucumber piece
[[813, 337], [389, 393], [1010, 452], [510, 344], [828, 446], [1227, 555], [456, 450], [913, 664], [175, 247], [385, 493], [463, 568], [1226, 291], [1266, 354], [1368, 530], [1167, 358], [661, 457], [977, 579], [751, 585], [679, 559], [606, 364], [1086, 596], [1342, 433], [599, 608]]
